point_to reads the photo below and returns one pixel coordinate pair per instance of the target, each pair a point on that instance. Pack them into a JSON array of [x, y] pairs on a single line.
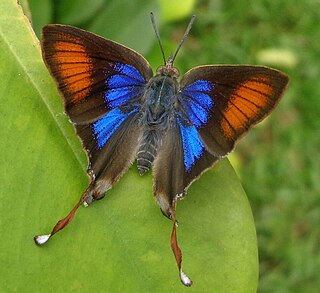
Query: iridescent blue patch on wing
[[106, 126], [203, 99], [122, 86], [129, 70], [197, 101], [192, 145], [196, 112], [116, 97], [200, 86], [119, 80]]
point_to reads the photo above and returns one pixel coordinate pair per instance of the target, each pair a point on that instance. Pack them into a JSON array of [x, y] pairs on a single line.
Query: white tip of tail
[[41, 239], [185, 279], [85, 204]]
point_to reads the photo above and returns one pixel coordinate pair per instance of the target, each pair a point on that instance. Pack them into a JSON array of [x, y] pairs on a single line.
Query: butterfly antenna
[[171, 60], [158, 36]]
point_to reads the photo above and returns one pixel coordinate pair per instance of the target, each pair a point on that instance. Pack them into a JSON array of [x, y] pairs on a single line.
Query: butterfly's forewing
[[93, 74], [224, 102]]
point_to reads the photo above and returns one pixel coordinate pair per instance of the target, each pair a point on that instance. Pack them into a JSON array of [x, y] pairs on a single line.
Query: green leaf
[[175, 10], [78, 11], [134, 31], [119, 244], [26, 8], [42, 13]]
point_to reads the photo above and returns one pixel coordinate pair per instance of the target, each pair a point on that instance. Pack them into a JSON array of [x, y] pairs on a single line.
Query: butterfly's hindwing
[[181, 158], [112, 143], [192, 145], [168, 169], [195, 154], [107, 125]]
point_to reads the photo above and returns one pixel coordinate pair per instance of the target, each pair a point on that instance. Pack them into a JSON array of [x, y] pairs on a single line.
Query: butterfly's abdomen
[[147, 150]]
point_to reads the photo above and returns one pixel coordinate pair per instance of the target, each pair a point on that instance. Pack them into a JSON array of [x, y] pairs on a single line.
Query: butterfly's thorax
[[157, 115]]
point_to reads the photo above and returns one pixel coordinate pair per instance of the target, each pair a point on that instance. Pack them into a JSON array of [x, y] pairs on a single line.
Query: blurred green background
[[278, 162]]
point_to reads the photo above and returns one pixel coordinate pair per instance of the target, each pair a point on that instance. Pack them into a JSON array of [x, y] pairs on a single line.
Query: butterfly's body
[[156, 117], [122, 112]]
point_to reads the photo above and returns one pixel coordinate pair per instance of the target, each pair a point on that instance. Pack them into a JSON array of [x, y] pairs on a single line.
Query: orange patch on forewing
[[69, 46], [248, 103], [74, 68], [257, 92]]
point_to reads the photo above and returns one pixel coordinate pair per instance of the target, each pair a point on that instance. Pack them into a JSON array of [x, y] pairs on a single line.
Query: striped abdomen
[[147, 150]]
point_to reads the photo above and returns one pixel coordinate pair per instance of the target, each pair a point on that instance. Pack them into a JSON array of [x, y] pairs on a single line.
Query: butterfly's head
[[168, 69]]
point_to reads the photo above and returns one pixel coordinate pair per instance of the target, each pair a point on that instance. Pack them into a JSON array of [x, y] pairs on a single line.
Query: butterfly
[[122, 113]]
